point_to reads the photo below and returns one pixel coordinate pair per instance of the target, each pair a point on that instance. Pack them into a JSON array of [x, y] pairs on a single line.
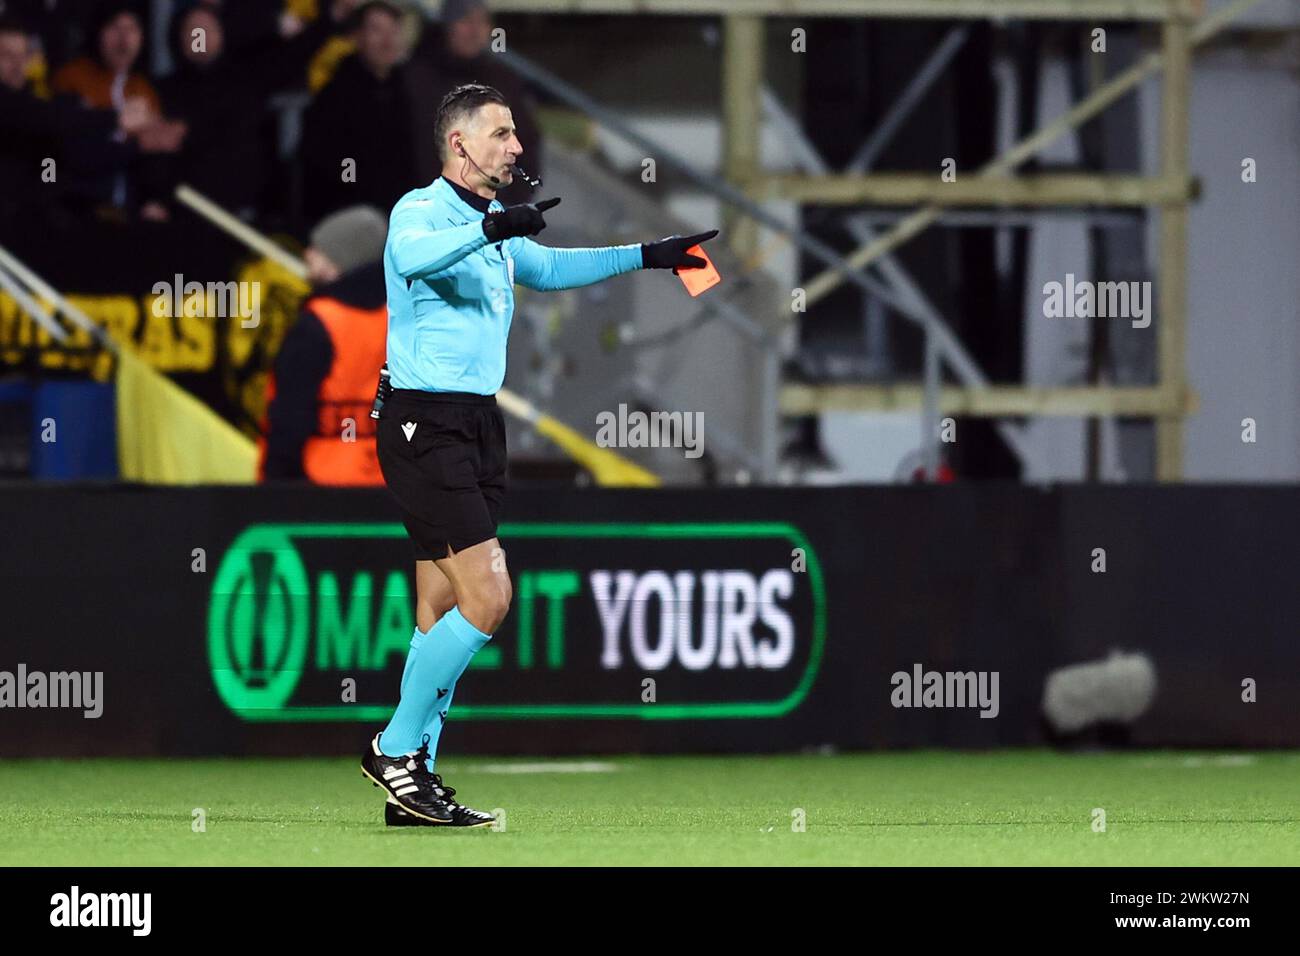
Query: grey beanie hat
[[352, 237]]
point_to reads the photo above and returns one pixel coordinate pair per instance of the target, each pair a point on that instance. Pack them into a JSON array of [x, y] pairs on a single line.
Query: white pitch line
[[577, 766], [1218, 760], [1222, 760]]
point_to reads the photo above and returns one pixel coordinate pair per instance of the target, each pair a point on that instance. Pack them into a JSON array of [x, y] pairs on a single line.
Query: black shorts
[[449, 476]]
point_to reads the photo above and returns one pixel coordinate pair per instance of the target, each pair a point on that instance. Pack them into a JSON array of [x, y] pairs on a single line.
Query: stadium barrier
[[275, 619]]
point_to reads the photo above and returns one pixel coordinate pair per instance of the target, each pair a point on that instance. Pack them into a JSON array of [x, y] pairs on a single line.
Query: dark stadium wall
[[274, 620]]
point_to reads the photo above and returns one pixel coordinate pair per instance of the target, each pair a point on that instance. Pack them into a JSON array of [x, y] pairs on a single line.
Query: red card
[[697, 280]]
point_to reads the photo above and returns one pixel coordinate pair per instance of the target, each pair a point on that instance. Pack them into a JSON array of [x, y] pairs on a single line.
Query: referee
[[451, 261]]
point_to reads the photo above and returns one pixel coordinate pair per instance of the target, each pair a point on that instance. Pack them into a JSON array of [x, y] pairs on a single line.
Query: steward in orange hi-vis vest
[[318, 423]]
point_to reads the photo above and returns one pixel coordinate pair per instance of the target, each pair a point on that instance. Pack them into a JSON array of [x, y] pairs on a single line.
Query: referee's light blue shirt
[[451, 294]]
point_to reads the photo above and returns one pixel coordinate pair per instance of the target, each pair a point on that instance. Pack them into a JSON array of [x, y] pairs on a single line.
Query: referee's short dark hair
[[461, 102]]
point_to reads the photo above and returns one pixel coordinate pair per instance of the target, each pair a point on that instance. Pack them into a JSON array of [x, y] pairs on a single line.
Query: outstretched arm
[[546, 269]]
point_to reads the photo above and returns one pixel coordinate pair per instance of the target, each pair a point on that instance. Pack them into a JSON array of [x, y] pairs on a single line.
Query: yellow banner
[[167, 436]]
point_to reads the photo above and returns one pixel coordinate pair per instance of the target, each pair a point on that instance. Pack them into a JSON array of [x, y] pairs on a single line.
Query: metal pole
[[742, 77], [1171, 322], [915, 90], [930, 405], [45, 320], [769, 423]]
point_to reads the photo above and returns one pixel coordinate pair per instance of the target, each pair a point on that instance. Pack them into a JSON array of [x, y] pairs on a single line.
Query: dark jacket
[[83, 143], [228, 147], [360, 117], [301, 365]]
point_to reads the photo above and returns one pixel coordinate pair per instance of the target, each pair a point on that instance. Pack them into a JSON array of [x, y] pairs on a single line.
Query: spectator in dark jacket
[[221, 95], [323, 382], [107, 78], [87, 146], [458, 51], [362, 116]]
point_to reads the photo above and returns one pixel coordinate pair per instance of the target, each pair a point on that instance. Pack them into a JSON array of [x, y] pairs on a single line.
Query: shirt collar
[[473, 200]]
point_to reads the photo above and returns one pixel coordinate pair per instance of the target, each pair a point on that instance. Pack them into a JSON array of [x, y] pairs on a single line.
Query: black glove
[[670, 253], [522, 220]]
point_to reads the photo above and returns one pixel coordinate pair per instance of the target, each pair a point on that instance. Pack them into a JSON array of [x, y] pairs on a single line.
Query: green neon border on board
[[706, 710]]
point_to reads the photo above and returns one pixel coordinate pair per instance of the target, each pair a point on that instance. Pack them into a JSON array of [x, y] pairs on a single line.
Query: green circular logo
[[258, 621]]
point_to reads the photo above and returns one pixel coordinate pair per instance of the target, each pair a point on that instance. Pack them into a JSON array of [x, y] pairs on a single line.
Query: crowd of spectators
[[97, 124]]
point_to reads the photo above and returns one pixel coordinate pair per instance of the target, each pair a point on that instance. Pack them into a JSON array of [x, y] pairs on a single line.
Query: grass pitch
[[916, 808]]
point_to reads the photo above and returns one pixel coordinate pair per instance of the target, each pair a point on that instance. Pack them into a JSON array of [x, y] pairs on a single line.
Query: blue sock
[[416, 640], [434, 730], [435, 664]]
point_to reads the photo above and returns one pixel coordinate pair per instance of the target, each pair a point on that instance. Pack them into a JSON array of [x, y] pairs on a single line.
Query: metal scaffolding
[[1183, 26]]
